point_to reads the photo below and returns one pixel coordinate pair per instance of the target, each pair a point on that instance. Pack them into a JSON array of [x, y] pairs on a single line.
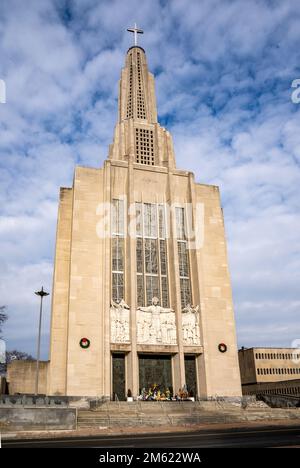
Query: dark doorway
[[118, 370], [190, 374], [155, 369]]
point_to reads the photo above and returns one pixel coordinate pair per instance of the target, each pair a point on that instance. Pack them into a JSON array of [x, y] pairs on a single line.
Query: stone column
[[107, 378], [132, 358], [195, 267], [175, 300]]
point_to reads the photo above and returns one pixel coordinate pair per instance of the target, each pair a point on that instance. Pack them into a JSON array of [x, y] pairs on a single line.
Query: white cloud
[[224, 71]]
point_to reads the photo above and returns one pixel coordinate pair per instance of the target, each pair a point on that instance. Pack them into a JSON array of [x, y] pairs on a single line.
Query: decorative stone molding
[[119, 322], [156, 324], [190, 326]]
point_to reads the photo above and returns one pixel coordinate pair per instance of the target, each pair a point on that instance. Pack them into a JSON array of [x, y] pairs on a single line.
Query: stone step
[[93, 413], [177, 415], [151, 404], [148, 409], [174, 418], [139, 420]]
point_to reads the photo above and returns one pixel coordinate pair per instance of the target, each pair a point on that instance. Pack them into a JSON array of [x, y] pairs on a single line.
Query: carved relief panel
[[156, 325], [119, 322], [190, 326]]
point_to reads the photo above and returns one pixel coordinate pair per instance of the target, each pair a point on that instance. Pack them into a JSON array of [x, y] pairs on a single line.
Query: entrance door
[[190, 374], [118, 372], [155, 369]]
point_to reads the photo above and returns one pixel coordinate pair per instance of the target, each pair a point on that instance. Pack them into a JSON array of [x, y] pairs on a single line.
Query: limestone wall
[[212, 287], [88, 317], [81, 298], [60, 296], [37, 419], [21, 377]]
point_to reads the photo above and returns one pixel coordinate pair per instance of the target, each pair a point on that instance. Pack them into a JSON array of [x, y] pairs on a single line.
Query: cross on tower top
[[135, 31]]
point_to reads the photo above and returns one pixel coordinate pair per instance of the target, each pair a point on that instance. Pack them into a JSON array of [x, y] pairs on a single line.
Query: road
[[268, 436]]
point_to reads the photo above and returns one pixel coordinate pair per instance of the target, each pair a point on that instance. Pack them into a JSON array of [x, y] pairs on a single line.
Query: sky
[[223, 71]]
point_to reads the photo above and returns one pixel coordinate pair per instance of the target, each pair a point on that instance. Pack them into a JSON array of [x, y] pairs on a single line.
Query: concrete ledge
[[31, 419], [159, 349]]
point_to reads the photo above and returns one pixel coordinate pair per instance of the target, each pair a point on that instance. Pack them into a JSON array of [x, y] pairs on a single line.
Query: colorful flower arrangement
[[155, 393]]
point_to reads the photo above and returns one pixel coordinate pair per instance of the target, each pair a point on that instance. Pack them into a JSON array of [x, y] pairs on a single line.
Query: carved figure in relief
[[156, 327], [119, 319], [190, 325]]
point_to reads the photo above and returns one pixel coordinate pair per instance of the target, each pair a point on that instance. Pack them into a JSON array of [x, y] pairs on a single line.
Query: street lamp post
[[40, 293]]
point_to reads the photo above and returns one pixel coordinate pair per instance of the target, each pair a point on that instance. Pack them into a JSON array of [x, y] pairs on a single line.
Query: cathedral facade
[[141, 288]]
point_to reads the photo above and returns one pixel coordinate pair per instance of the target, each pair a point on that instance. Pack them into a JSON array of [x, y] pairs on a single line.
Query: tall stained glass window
[[151, 254], [183, 258], [117, 254]]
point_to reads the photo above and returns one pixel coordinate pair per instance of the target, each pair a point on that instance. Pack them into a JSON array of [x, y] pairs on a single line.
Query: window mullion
[[158, 252]]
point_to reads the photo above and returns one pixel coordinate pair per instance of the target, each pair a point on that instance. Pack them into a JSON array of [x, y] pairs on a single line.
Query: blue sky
[[223, 72]]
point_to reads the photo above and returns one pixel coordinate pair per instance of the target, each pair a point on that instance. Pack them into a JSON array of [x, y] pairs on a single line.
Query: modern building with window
[[274, 371], [141, 289]]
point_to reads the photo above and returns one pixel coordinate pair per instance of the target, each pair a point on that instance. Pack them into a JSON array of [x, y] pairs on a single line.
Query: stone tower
[[141, 289], [137, 117]]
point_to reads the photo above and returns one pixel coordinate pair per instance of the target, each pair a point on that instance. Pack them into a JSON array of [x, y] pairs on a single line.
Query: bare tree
[[18, 355], [3, 317], [14, 354]]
